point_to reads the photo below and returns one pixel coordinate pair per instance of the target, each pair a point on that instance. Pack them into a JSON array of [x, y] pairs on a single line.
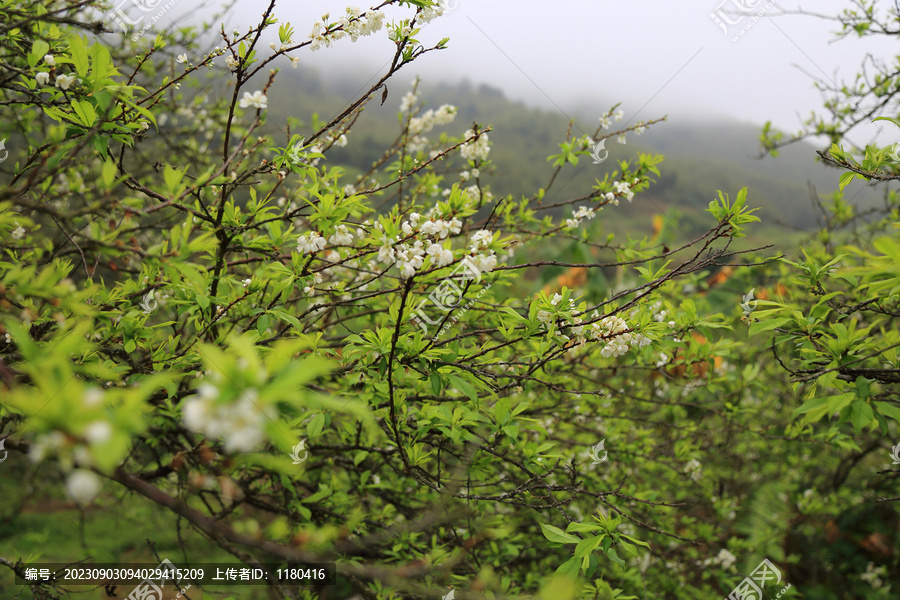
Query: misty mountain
[[700, 157]]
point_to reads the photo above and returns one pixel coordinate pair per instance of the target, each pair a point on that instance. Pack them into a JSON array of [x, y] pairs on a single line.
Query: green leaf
[[85, 111], [569, 568], [861, 414], [78, 51], [555, 534], [38, 49], [586, 546], [845, 179], [464, 386], [436, 384], [316, 425], [611, 553], [888, 410], [583, 527], [173, 178]]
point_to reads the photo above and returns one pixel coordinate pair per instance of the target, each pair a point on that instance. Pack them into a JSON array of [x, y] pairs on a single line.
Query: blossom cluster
[[63, 82], [873, 576], [624, 189], [409, 101], [409, 257], [724, 558], [615, 330], [427, 15], [313, 241], [620, 188], [583, 212], [608, 117], [693, 469], [431, 118], [240, 424], [477, 149], [81, 483], [353, 25], [425, 122]]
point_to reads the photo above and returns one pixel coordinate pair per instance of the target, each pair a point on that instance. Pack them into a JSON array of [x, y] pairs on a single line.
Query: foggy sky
[[655, 56]]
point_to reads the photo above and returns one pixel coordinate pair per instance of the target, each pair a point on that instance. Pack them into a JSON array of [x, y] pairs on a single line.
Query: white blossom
[[42, 78], [430, 119], [417, 144], [49, 60], [386, 255], [873, 575], [341, 237], [64, 81], [584, 212], [485, 263], [182, 58], [98, 432], [408, 267], [440, 255], [614, 332], [624, 188], [409, 100], [239, 424], [482, 239], [232, 63], [83, 485], [693, 469], [724, 558], [257, 99], [310, 242]]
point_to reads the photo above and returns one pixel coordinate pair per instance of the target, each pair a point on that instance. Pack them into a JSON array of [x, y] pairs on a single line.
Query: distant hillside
[[700, 157]]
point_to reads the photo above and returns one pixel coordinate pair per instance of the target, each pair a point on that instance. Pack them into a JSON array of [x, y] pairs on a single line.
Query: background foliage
[[192, 286]]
